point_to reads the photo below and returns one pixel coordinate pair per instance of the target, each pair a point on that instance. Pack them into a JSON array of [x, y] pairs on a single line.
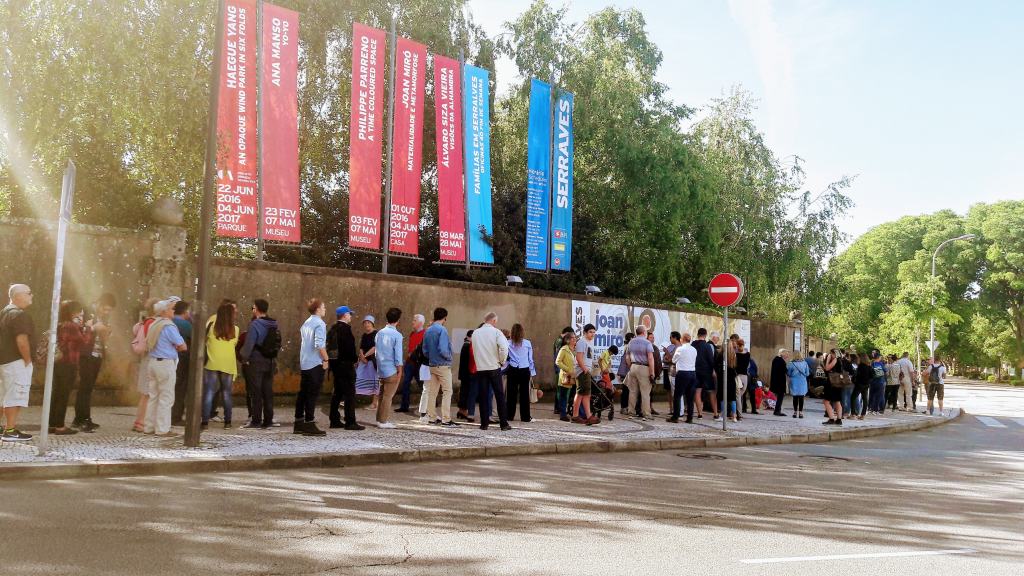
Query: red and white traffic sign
[[725, 289]]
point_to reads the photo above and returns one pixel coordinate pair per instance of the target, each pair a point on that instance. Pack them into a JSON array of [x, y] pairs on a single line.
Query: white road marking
[[990, 421], [856, 556]]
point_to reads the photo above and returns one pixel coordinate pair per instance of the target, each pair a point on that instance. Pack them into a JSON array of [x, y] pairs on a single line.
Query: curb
[[108, 468]]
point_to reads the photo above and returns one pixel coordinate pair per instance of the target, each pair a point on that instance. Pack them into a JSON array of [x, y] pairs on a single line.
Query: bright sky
[[920, 100]]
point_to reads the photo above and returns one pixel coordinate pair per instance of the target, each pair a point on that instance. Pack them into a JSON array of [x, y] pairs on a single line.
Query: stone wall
[[135, 266]]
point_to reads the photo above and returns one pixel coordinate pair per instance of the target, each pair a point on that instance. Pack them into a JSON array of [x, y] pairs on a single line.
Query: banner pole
[[194, 400], [725, 366], [462, 124], [391, 149], [67, 195], [259, 131]]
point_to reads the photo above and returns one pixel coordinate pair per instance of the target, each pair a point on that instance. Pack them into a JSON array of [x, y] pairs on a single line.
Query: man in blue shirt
[[313, 363], [437, 347], [389, 365], [164, 342], [183, 320]]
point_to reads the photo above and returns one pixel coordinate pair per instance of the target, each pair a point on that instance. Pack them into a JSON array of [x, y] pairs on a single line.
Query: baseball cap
[[342, 310], [369, 318]]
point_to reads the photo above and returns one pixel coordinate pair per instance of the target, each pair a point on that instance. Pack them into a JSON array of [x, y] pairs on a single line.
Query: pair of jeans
[[845, 400], [215, 381], [409, 373], [259, 380], [88, 371], [686, 387], [860, 400], [490, 382], [518, 380], [180, 388], [63, 381], [310, 383], [562, 400], [344, 391], [876, 398], [890, 397], [467, 395]]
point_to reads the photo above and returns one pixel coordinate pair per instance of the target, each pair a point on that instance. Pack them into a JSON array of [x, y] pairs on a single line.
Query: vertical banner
[[366, 136], [410, 73], [611, 321], [538, 176], [476, 103], [451, 202], [280, 161], [561, 212], [236, 123]]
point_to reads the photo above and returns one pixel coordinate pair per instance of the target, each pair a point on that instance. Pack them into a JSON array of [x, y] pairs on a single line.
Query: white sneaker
[[386, 425], [424, 420], [217, 418]]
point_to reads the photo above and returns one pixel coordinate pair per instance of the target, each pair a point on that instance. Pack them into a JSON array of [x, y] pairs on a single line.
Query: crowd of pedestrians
[[496, 371]]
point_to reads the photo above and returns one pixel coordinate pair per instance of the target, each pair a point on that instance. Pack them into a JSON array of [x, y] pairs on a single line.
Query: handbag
[[535, 394]]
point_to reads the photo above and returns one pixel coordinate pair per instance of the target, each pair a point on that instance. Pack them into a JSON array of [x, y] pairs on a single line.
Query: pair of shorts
[[583, 383], [936, 390], [15, 383], [707, 382]]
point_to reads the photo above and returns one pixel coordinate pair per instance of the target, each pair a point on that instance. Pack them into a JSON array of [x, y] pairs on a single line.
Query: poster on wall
[[280, 162], [366, 137], [477, 126], [611, 321], [410, 73], [451, 202], [237, 153], [538, 175]]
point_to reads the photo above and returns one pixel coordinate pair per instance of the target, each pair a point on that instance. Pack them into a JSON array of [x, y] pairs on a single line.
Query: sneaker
[[424, 419], [227, 425], [794, 415], [655, 412], [217, 418], [436, 421], [251, 425], [839, 422], [717, 418], [275, 424], [336, 425], [565, 419], [462, 416], [801, 415], [15, 435], [506, 428], [829, 422], [311, 430], [528, 420], [386, 425], [298, 427], [450, 424], [92, 425], [355, 427], [471, 420]]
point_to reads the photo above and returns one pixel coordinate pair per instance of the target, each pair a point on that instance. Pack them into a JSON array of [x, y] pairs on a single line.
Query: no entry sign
[[725, 290]]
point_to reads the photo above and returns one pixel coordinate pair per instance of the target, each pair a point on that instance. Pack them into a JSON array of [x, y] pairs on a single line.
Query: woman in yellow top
[[221, 367], [566, 362]]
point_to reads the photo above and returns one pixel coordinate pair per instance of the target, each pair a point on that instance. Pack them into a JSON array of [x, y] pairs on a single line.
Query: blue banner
[[561, 211], [477, 130], [538, 176]]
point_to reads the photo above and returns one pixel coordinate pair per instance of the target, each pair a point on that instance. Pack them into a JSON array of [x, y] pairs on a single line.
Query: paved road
[[908, 500]]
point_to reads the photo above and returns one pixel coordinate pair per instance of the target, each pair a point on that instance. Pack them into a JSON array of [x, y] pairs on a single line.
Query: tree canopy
[[666, 193]]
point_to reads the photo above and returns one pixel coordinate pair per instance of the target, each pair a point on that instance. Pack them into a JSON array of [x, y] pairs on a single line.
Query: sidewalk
[[114, 450]]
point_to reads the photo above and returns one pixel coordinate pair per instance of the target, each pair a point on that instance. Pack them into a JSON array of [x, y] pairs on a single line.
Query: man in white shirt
[[685, 360], [490, 350], [906, 378]]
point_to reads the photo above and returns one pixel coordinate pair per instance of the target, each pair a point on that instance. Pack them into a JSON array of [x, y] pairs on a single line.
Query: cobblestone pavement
[[114, 440]]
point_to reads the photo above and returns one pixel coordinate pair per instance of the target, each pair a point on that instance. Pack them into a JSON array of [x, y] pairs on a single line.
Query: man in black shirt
[[343, 366], [705, 370], [16, 342]]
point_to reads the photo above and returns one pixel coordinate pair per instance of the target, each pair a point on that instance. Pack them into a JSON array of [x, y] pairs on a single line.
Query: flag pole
[[391, 147]]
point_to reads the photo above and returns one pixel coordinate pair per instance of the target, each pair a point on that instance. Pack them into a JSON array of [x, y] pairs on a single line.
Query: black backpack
[[271, 344], [933, 374]]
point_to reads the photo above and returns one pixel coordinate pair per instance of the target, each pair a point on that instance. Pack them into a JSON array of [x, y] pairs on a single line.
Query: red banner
[[410, 73], [236, 123], [451, 205], [365, 136], [280, 124]]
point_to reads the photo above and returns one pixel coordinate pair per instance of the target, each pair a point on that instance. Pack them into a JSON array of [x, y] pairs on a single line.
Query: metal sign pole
[[391, 148], [67, 194], [194, 400], [725, 366]]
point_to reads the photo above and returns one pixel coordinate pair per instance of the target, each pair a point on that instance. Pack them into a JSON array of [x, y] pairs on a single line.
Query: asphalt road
[[945, 501]]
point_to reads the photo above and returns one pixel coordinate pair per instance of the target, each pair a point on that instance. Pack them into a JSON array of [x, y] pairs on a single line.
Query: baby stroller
[[602, 397]]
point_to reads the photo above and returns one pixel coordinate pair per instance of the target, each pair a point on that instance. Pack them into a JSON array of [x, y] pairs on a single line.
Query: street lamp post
[[931, 335]]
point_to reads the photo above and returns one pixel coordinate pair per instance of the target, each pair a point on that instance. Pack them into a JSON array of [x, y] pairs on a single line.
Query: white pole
[[67, 194]]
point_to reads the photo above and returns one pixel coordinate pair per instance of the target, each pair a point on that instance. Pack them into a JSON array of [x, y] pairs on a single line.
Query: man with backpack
[[259, 361], [936, 384]]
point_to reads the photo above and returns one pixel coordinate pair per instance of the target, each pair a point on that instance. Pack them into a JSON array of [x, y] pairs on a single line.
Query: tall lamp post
[[932, 346]]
